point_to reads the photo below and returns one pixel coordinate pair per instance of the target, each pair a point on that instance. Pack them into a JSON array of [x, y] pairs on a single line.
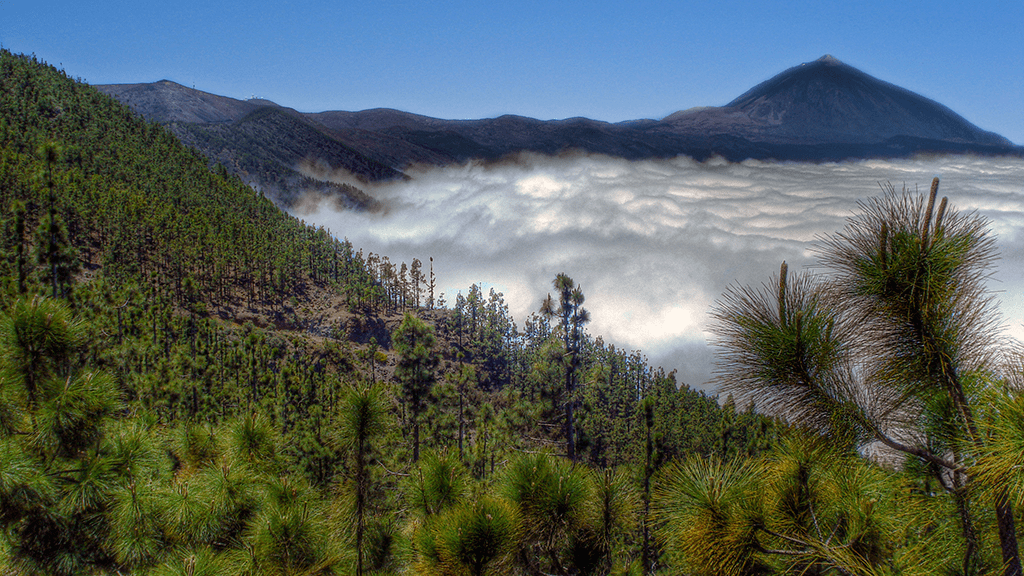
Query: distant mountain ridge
[[823, 110]]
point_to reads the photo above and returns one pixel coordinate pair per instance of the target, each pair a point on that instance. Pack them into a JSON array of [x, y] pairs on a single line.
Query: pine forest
[[193, 382]]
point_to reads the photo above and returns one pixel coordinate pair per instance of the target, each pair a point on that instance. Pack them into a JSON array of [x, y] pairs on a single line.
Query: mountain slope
[[266, 145], [167, 101], [271, 149], [817, 111]]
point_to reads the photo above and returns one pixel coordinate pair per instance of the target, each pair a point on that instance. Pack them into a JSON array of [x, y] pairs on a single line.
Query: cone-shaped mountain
[[827, 101]]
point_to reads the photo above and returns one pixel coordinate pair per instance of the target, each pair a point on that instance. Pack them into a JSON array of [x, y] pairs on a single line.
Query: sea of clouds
[[655, 243]]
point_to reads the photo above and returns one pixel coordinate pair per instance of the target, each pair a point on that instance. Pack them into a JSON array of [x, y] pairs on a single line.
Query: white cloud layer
[[654, 243]]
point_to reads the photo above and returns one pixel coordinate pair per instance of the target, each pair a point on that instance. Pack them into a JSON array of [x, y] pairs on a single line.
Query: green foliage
[[787, 348], [553, 496], [699, 502], [363, 422], [24, 486], [136, 536], [571, 316], [896, 347], [196, 445], [614, 516], [478, 536], [292, 538], [252, 441], [803, 508], [37, 337], [70, 421], [201, 562], [56, 257], [137, 450], [230, 496], [437, 483], [363, 417], [128, 195]]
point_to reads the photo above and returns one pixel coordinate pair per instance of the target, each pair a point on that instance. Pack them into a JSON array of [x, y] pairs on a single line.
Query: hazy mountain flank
[[818, 111]]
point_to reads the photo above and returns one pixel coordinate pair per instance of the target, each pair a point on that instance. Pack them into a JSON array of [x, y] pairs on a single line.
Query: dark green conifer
[[362, 421], [416, 371], [571, 316]]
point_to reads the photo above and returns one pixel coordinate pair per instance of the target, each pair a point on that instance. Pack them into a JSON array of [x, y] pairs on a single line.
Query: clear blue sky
[[552, 59]]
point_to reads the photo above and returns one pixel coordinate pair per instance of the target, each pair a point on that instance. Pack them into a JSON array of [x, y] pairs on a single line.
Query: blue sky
[[553, 59]]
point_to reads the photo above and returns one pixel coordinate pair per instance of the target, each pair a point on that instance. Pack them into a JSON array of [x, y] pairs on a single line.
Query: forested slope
[[214, 374], [193, 382]]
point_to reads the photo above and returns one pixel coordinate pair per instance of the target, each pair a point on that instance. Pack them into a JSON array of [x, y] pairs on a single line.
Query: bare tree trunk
[[1007, 535], [570, 440], [415, 439], [970, 534]]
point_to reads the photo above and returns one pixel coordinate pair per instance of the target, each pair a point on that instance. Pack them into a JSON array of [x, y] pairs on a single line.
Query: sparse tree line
[[393, 287]]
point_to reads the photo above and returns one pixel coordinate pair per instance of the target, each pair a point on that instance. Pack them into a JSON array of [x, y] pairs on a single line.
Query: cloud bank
[[654, 243]]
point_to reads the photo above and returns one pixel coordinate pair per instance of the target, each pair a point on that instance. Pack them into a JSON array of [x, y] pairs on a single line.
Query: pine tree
[[572, 316], [478, 535], [21, 260], [896, 347], [362, 422], [37, 340], [417, 362], [553, 496]]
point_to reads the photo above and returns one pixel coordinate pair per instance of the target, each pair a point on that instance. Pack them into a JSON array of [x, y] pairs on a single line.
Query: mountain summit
[[823, 110], [827, 101]]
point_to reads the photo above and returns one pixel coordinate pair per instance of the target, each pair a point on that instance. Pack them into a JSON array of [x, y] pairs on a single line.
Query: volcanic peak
[[827, 101]]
